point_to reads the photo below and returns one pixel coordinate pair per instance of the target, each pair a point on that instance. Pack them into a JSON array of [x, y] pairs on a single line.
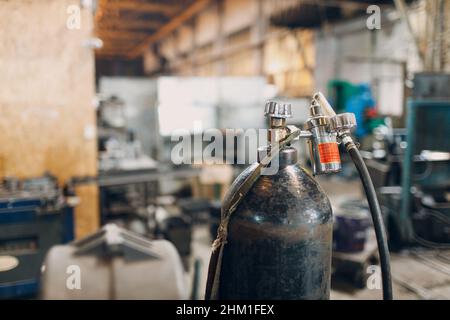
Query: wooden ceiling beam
[[100, 12], [119, 34], [124, 39], [167, 28], [129, 24], [111, 54], [119, 47], [144, 7]]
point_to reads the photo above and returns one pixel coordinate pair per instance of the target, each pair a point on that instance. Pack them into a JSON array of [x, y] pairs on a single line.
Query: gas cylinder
[[275, 235], [279, 239]]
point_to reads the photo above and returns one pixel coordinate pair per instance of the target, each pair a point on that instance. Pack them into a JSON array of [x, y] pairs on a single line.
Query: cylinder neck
[[287, 156], [277, 130], [277, 122]]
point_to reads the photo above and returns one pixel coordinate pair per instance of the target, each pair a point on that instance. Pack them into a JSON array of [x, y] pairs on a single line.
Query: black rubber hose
[[377, 221]]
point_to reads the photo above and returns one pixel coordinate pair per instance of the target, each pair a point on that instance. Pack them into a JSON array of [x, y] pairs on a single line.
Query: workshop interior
[[225, 149]]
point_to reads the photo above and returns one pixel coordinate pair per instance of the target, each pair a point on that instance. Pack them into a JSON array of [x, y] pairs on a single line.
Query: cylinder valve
[[323, 146]]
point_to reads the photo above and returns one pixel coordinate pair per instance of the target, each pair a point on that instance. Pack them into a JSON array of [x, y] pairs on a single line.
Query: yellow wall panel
[[47, 119]]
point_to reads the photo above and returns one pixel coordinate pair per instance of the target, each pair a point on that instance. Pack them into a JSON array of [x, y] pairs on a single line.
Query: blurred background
[[92, 91]]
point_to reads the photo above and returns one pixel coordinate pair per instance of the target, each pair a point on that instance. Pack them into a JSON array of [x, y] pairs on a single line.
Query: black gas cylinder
[[279, 238]]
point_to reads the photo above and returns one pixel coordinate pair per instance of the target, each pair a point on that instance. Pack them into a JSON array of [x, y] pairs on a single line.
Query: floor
[[417, 273]]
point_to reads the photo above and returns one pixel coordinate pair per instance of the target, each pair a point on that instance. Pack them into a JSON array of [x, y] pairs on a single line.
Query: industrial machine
[[275, 236], [354, 243], [350, 227], [357, 99], [411, 167], [426, 162], [34, 215], [121, 157], [129, 178], [114, 263], [173, 224], [156, 218]]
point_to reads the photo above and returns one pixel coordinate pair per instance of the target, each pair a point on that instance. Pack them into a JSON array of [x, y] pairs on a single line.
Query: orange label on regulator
[[329, 152]]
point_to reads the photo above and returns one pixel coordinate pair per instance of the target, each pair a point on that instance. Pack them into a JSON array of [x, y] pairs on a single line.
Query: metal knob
[[278, 110], [342, 121]]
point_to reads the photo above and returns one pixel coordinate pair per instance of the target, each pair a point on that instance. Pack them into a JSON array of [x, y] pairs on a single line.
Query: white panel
[[184, 101], [228, 102], [242, 102]]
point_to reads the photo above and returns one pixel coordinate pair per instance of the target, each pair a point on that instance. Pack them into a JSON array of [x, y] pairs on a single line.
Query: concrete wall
[[47, 119], [238, 14], [207, 26], [349, 51], [232, 38]]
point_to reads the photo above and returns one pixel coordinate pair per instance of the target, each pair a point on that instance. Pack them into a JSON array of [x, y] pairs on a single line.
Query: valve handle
[[275, 109], [342, 122]]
